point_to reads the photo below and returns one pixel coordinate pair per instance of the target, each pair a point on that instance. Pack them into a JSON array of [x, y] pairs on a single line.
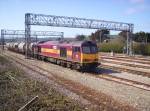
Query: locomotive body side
[[48, 49], [79, 55]]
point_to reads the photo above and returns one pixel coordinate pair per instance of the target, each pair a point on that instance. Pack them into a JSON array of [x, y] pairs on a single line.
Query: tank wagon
[[21, 47], [15, 46], [76, 55], [10, 45]]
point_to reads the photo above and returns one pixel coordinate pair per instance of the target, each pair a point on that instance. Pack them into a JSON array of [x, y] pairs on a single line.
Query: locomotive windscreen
[[89, 47]]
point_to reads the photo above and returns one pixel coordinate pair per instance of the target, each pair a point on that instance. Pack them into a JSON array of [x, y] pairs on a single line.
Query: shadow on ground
[[100, 71]]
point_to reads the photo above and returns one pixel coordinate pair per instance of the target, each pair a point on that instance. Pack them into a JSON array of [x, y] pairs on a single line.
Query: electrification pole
[[2, 40], [27, 35], [100, 36]]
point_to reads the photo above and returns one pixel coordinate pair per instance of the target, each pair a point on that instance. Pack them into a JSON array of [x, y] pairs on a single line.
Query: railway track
[[136, 57], [126, 82], [127, 65], [128, 59], [102, 76], [122, 68], [144, 58]]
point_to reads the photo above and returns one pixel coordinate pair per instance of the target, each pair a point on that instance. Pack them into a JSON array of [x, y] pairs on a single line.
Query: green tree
[[123, 34], [92, 37], [99, 35], [80, 37], [141, 37], [148, 37]]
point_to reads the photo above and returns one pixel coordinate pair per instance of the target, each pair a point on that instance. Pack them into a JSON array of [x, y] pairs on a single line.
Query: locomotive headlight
[[95, 59], [90, 60], [85, 60]]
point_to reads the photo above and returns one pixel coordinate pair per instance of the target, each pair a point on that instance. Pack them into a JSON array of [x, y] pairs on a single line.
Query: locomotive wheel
[[38, 57], [63, 64], [58, 62], [75, 66], [68, 65]]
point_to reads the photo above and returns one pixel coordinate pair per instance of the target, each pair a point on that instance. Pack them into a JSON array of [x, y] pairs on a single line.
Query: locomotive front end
[[89, 55]]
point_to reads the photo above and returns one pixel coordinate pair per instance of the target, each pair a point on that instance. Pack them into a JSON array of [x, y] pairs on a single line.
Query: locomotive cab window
[[63, 52], [86, 49], [76, 49], [89, 49], [94, 49], [39, 49]]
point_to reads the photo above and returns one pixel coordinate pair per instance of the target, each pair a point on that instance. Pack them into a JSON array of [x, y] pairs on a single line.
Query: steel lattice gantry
[[73, 22], [33, 33]]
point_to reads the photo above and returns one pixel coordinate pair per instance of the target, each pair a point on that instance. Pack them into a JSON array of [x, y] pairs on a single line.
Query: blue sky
[[12, 13]]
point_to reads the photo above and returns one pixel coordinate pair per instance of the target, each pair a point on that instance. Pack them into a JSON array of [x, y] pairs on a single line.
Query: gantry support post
[[2, 40], [27, 34], [129, 40], [62, 35], [128, 43], [100, 35]]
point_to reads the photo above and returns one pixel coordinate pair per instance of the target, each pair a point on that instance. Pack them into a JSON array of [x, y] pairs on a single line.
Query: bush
[[147, 49], [108, 47], [114, 45], [140, 48]]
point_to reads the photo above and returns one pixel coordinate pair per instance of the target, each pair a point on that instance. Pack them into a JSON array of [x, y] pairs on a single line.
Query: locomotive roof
[[64, 43]]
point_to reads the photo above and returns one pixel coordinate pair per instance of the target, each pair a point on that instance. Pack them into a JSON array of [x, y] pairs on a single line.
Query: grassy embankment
[[116, 45], [16, 90]]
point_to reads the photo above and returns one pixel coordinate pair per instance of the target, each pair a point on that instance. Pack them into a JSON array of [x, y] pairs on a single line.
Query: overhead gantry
[[5, 32], [73, 22]]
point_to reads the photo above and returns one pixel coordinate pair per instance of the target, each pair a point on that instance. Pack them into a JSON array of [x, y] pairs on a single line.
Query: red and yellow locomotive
[[78, 54]]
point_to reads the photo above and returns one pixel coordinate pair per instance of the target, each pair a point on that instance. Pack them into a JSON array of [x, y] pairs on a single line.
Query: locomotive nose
[[90, 57]]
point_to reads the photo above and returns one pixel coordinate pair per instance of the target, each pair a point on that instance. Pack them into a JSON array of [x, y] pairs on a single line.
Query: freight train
[[77, 55]]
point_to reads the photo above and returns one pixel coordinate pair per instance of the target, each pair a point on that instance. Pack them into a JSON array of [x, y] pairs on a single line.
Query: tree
[[99, 35], [80, 37], [123, 34], [142, 37], [148, 37], [92, 37]]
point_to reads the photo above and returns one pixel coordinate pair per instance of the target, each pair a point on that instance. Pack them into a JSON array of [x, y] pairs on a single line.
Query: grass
[[115, 45], [140, 48], [16, 90], [3, 60]]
